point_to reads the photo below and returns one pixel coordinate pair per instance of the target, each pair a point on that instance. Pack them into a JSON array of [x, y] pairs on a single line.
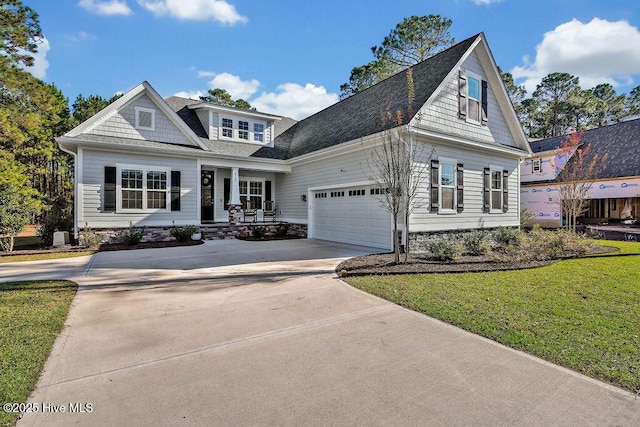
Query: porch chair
[[249, 210], [269, 211]]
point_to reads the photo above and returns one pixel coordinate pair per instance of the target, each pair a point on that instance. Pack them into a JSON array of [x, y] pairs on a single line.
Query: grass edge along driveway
[[583, 314], [32, 314]]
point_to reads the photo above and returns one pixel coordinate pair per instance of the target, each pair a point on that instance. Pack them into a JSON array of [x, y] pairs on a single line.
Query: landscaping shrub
[[444, 249], [183, 234], [477, 242], [258, 231], [505, 236], [133, 236], [282, 229], [89, 238]]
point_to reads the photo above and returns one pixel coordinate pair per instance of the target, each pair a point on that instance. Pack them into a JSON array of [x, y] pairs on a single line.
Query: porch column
[[234, 197]]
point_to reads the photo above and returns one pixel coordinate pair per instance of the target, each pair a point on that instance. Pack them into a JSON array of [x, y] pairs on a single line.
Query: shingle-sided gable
[[365, 113], [441, 114], [123, 124]]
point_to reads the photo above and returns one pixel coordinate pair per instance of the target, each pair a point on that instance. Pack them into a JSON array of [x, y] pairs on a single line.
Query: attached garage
[[350, 215]]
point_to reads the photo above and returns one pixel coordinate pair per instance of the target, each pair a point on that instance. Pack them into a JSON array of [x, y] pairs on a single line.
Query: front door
[[206, 196]]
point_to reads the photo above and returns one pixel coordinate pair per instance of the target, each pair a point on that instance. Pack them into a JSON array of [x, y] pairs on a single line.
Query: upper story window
[[145, 118], [473, 98], [227, 128], [258, 132], [537, 166], [243, 130]]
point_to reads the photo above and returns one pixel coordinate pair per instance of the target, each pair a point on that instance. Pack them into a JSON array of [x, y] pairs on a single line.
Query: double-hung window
[[143, 188], [243, 130], [473, 98], [258, 132], [227, 128], [496, 190], [447, 186], [537, 166], [252, 190]]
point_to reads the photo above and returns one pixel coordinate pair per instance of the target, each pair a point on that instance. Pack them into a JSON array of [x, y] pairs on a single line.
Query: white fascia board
[[230, 110], [479, 146], [206, 158]]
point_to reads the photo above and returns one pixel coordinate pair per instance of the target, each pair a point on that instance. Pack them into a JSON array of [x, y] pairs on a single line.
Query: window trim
[[248, 194], [139, 110], [539, 166], [499, 170], [454, 164], [145, 169], [478, 78]]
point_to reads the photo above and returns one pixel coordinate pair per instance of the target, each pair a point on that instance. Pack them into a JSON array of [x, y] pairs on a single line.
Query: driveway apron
[[245, 333]]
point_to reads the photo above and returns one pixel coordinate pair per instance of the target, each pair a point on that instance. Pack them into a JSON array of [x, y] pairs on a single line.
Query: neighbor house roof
[[620, 142], [363, 114]]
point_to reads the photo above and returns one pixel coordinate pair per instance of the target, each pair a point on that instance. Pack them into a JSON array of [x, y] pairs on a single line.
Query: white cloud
[[195, 10], [80, 37], [190, 94], [236, 87], [597, 52], [40, 63], [106, 7], [295, 101], [485, 2]]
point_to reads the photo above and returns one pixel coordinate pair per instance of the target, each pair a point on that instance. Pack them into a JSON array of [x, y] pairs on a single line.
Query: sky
[[289, 57]]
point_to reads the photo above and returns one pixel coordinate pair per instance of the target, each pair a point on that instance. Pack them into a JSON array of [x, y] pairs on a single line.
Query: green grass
[[583, 314], [31, 316], [44, 256]]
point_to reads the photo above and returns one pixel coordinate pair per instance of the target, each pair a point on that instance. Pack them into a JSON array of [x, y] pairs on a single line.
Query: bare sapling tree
[[399, 169], [578, 169]]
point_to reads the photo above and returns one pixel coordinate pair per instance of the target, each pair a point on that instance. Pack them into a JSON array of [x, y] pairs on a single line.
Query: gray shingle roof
[[362, 114], [620, 142]]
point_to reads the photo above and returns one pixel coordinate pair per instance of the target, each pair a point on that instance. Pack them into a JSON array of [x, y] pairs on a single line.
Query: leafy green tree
[[19, 33], [85, 108], [632, 102], [517, 94], [554, 94], [612, 109], [222, 97], [413, 40], [583, 109]]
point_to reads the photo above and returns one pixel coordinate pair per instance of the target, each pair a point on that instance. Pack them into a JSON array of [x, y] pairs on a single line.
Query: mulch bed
[[268, 238], [422, 264]]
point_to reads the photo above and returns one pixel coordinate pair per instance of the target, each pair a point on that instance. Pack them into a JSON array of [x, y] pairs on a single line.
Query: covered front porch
[[234, 194]]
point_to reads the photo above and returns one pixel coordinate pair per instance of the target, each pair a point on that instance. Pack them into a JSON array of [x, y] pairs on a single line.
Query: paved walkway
[[238, 333]]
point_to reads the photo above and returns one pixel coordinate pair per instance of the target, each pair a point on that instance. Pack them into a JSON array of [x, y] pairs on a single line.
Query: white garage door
[[351, 215]]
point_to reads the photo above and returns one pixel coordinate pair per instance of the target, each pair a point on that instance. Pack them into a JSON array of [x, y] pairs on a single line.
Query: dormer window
[[473, 98], [227, 128], [145, 118], [258, 132], [243, 130]]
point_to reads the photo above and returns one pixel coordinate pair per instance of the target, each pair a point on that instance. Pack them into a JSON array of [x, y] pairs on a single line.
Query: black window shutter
[[175, 190], [267, 191], [227, 193], [462, 95], [109, 195], [505, 191], [484, 103], [460, 187], [486, 191], [435, 185]]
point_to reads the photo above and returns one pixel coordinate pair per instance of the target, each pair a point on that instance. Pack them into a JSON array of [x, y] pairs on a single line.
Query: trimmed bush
[[183, 234], [133, 236], [445, 249], [477, 242]]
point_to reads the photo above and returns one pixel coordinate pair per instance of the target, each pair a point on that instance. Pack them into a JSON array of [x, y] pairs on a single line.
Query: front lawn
[[583, 314], [31, 316]]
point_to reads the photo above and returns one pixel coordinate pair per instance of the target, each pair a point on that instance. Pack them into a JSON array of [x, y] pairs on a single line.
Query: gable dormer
[[236, 125]]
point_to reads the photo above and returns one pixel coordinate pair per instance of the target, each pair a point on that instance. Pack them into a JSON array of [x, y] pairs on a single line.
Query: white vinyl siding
[[472, 216], [442, 114], [93, 183]]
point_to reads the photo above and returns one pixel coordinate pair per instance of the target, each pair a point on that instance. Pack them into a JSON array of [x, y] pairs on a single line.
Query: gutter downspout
[[75, 190]]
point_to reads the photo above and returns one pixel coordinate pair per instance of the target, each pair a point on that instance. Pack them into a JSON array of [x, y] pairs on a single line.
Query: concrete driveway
[[239, 333]]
